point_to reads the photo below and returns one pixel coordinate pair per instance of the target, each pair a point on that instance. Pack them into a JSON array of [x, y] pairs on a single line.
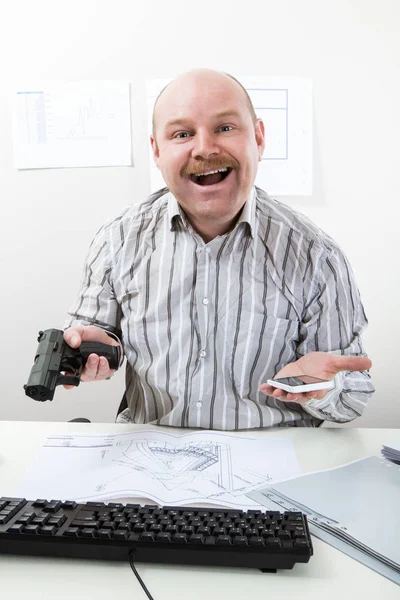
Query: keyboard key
[[88, 532], [219, 531], [41, 520], [293, 516], [32, 529], [57, 520], [300, 543], [124, 527], [109, 525], [196, 538], [240, 540], [256, 541], [180, 538], [120, 534], [87, 524], [39, 503], [5, 517], [147, 536], [71, 531], [69, 504], [84, 515], [187, 529], [16, 528], [223, 540], [273, 542], [104, 533], [47, 530], [163, 537], [52, 506], [210, 540]]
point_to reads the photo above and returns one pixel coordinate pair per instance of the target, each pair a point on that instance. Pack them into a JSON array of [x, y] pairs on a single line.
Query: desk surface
[[330, 574]]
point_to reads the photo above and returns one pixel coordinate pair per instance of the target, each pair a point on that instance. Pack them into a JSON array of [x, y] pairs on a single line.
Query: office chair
[[123, 405]]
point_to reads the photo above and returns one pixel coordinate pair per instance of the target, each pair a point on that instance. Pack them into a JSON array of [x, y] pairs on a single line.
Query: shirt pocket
[[260, 345]]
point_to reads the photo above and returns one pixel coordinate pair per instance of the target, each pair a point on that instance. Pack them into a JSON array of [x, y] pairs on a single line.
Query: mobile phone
[[301, 383]]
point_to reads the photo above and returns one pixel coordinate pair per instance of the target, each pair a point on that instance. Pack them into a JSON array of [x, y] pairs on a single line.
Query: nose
[[204, 145]]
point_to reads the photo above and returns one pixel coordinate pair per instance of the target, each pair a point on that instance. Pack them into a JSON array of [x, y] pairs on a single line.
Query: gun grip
[[111, 353]]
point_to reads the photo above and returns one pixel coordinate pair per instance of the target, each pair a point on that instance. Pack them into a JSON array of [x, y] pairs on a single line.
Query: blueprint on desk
[[168, 468]]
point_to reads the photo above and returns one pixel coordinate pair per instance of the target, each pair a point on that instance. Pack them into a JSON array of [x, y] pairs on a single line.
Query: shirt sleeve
[[96, 302], [333, 322]]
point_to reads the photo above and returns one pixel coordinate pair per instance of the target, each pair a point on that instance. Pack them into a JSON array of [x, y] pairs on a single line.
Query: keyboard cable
[[140, 580]]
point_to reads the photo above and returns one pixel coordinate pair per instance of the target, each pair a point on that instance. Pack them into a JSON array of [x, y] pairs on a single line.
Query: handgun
[[54, 357]]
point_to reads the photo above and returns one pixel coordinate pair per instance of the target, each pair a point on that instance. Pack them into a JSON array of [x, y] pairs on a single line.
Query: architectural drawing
[[176, 466]]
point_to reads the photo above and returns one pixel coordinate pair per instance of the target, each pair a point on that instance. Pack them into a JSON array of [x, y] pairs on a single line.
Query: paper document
[[77, 124], [169, 469], [285, 106]]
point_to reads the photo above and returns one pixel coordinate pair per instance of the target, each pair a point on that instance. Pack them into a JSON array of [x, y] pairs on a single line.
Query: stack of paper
[[355, 508], [392, 453]]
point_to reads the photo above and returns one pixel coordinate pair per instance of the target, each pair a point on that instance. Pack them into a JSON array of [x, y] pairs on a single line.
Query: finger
[[267, 389], [90, 371], [96, 369], [271, 391], [73, 336], [67, 374], [104, 371], [351, 363]]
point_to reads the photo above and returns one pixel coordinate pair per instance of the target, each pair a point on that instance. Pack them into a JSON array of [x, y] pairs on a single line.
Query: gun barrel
[[43, 377]]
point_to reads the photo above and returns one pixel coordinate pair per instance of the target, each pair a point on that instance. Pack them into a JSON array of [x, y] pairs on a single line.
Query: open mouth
[[211, 177]]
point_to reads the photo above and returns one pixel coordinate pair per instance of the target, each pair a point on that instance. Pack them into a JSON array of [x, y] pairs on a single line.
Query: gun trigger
[[68, 380]]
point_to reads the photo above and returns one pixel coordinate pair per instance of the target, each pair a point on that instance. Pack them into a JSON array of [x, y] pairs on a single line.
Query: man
[[213, 287]]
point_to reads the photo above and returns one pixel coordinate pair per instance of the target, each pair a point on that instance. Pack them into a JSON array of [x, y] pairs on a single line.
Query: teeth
[[212, 172]]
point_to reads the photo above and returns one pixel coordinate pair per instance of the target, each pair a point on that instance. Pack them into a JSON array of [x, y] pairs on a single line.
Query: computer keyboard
[[267, 540]]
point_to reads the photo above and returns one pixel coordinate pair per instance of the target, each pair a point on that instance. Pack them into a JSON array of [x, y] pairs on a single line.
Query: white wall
[[351, 50]]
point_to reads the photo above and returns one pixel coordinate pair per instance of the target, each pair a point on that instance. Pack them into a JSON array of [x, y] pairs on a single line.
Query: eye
[[181, 135], [225, 128]]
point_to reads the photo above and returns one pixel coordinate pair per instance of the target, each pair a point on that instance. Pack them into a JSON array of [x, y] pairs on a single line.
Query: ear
[[260, 138], [156, 152]]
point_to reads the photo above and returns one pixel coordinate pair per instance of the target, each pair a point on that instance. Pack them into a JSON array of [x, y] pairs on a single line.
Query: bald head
[[205, 78]]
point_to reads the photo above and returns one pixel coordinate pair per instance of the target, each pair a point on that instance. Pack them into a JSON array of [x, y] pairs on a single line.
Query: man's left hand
[[316, 364]]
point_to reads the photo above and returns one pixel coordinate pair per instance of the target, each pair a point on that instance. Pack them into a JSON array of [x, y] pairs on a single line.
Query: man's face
[[202, 125]]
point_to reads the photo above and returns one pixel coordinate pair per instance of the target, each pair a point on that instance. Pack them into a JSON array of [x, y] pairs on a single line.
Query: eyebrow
[[220, 115]]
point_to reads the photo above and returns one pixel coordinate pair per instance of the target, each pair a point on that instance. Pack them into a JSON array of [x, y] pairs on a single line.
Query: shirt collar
[[247, 215]]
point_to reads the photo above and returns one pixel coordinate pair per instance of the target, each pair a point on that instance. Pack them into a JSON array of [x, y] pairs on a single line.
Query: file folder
[[355, 508]]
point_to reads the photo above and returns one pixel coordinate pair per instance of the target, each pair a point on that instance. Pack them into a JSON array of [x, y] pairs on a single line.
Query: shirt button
[[202, 353], [205, 301], [199, 404]]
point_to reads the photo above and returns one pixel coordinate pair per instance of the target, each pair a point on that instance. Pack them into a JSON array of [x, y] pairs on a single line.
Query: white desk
[[330, 575]]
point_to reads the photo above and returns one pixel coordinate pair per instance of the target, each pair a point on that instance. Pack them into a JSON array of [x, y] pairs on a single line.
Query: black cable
[[140, 580]]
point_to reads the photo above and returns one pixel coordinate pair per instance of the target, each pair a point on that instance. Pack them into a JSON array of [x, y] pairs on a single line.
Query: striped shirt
[[204, 324]]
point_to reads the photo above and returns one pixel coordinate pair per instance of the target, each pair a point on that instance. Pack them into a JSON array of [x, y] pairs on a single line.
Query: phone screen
[[299, 380]]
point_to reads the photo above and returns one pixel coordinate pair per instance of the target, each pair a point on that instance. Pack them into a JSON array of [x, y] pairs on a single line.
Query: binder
[[354, 507], [391, 453]]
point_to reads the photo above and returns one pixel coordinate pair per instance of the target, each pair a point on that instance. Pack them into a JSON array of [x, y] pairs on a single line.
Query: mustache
[[203, 166]]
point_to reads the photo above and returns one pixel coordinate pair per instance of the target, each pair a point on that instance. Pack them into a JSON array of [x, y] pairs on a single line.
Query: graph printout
[[72, 124], [284, 104]]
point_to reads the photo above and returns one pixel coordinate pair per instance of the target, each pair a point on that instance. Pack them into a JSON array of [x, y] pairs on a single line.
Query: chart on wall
[[285, 106], [72, 124]]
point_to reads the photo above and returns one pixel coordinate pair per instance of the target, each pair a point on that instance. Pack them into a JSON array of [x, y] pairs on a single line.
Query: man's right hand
[[97, 367]]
